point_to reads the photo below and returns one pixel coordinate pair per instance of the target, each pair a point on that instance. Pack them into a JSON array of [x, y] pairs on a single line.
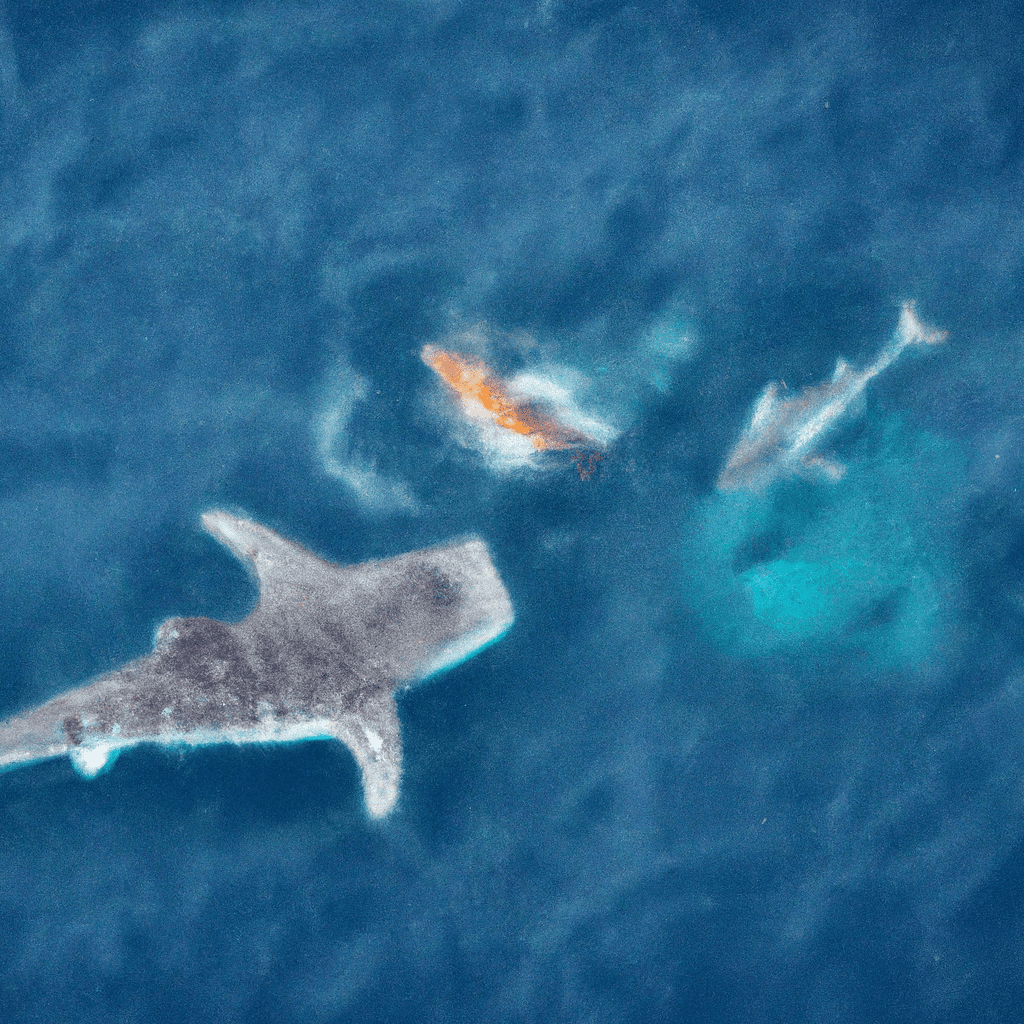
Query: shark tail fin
[[911, 331]]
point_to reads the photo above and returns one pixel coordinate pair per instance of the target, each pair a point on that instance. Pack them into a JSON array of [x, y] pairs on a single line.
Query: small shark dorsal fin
[[764, 410]]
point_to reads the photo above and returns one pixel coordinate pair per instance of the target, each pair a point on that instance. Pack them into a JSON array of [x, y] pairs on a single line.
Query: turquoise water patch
[[863, 564], [797, 598]]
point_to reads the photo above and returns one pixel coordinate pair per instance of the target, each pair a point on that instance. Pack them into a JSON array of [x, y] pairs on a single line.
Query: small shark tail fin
[[911, 331]]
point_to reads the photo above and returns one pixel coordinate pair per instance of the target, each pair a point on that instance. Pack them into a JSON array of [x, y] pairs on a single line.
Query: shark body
[[782, 436], [319, 657]]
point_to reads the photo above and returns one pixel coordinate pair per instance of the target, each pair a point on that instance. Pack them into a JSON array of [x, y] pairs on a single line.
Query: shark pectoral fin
[[380, 787], [818, 467], [374, 737]]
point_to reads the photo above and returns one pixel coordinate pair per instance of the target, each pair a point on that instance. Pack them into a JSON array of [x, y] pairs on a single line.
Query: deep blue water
[[752, 758]]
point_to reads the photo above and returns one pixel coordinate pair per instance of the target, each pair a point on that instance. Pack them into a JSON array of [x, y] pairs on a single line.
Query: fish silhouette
[[535, 417], [782, 435], [319, 657]]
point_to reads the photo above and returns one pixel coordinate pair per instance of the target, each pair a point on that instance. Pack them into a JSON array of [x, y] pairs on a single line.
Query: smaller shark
[[318, 658], [783, 433]]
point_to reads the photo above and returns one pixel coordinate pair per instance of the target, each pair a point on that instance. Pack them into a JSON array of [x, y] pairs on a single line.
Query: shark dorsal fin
[[382, 599], [764, 410], [841, 370], [275, 560]]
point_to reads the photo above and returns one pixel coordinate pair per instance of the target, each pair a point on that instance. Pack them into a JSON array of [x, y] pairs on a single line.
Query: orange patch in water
[[472, 380]]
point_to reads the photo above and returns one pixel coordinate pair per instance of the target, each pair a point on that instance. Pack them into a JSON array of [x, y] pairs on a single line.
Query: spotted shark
[[782, 435], [321, 656]]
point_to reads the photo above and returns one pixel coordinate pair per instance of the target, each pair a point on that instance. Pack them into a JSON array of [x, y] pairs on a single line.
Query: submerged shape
[[319, 657], [783, 433], [864, 569], [531, 408]]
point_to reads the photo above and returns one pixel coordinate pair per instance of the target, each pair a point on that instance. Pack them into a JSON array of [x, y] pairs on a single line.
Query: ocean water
[[751, 756]]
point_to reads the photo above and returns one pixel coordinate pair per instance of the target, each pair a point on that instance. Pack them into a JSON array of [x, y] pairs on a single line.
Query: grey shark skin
[[782, 434], [320, 656]]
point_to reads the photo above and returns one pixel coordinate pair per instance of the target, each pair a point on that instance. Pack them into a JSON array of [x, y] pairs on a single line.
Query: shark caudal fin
[[910, 330]]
